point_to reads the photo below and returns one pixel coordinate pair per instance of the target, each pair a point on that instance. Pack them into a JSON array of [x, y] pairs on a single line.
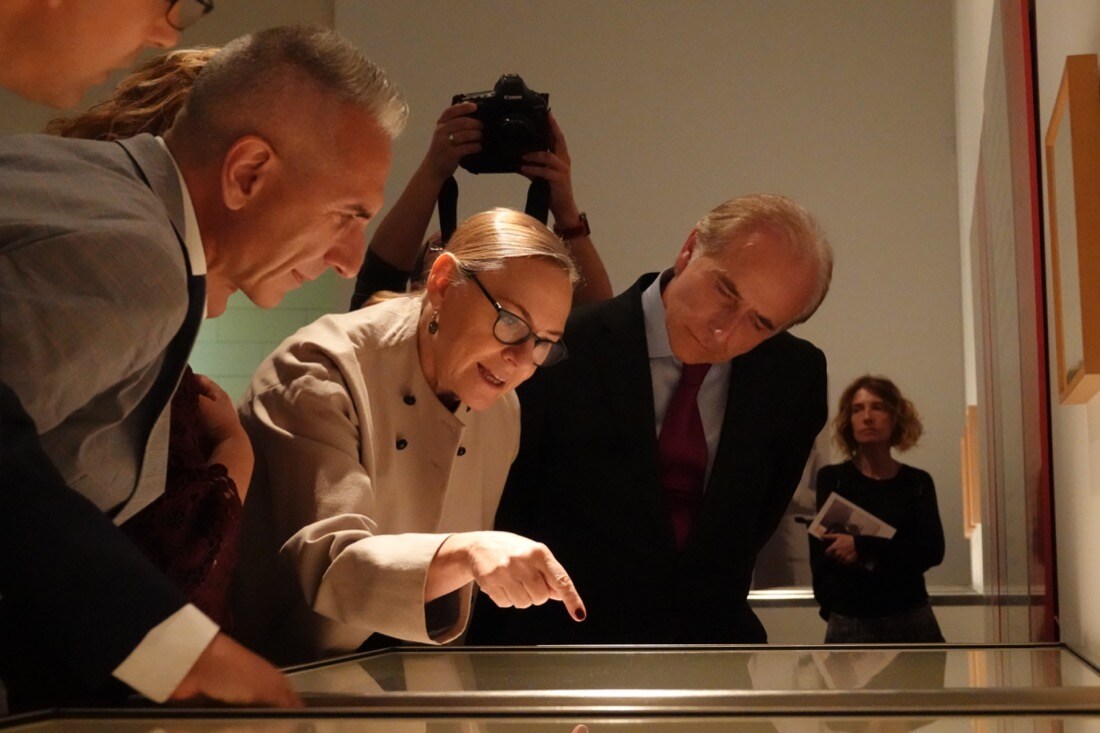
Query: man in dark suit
[[109, 254], [655, 502]]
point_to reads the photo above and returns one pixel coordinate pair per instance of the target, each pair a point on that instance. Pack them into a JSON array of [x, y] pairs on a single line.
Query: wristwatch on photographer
[[573, 232]]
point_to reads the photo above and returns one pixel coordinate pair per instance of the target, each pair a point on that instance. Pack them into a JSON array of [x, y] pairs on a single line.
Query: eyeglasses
[[510, 329], [182, 14]]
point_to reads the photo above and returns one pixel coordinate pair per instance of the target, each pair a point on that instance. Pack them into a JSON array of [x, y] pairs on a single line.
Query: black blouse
[[888, 576]]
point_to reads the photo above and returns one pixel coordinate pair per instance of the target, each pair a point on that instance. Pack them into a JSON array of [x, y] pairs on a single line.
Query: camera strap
[[448, 209], [537, 206], [538, 199]]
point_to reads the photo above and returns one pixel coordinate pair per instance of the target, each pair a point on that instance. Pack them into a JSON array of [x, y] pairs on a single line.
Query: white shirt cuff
[[159, 663]]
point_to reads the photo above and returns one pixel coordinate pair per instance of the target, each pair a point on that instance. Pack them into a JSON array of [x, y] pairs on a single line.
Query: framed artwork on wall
[[971, 473], [1073, 207]]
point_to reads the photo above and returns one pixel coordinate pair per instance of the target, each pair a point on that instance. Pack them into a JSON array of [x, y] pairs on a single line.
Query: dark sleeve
[[821, 566], [517, 509], [918, 545], [809, 417], [88, 592], [376, 275]]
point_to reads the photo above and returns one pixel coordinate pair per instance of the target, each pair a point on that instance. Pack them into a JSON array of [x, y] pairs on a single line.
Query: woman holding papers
[[868, 574]]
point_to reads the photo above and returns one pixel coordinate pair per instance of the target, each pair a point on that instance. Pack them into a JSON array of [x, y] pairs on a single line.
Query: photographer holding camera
[[395, 253]]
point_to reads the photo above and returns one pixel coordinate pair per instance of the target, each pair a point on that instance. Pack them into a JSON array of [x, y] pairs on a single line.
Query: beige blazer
[[361, 474]]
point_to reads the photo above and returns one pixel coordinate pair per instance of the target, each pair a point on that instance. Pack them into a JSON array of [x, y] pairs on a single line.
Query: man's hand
[[512, 570], [842, 548], [227, 672]]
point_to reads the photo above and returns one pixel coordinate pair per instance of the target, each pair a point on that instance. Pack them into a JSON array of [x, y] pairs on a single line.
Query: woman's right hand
[[842, 548], [456, 136], [512, 570]]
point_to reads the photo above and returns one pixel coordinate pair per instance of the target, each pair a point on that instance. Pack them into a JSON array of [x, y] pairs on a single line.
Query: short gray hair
[[735, 220], [254, 76]]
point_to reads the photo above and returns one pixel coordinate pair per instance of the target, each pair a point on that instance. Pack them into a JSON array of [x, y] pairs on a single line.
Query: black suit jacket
[[586, 483], [77, 595]]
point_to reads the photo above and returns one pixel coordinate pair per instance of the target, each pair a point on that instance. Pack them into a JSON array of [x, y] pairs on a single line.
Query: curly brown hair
[[907, 424], [145, 101]]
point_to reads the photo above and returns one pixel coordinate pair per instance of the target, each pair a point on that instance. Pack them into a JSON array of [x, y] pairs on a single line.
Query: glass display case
[[700, 679], [1063, 723], [694, 688]]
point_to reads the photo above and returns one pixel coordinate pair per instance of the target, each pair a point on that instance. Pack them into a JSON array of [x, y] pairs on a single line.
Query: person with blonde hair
[[871, 589], [147, 100], [383, 437]]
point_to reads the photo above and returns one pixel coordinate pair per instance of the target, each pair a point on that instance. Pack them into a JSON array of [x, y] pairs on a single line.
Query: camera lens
[[517, 136]]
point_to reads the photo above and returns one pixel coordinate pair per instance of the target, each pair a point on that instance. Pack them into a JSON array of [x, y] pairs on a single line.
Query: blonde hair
[[145, 101], [486, 242], [731, 222], [907, 424]]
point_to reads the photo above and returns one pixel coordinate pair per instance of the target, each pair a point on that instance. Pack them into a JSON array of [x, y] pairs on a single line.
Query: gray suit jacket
[[93, 287]]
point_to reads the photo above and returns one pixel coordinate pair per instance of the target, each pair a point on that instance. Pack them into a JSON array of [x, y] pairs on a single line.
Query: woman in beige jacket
[[383, 438]]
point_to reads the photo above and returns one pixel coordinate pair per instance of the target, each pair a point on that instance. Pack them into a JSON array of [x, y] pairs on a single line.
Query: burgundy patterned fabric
[[190, 532], [682, 452]]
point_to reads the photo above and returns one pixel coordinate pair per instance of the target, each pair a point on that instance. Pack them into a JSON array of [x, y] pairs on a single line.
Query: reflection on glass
[[726, 724], [782, 670], [1068, 271]]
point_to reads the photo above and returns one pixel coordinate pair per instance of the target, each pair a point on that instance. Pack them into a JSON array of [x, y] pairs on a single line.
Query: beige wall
[[1065, 27], [671, 107]]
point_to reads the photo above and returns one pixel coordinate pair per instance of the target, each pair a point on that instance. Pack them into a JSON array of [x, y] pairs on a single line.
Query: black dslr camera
[[516, 123]]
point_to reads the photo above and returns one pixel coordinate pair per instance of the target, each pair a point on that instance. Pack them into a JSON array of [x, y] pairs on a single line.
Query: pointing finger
[[562, 585]]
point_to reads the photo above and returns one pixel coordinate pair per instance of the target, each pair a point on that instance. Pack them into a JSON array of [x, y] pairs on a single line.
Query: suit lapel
[[156, 168], [622, 363], [731, 491]]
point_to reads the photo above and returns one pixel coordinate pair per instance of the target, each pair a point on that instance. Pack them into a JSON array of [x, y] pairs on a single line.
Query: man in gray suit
[[53, 52], [110, 252]]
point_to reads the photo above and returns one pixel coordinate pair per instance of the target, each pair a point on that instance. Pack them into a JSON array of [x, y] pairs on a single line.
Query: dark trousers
[[906, 627]]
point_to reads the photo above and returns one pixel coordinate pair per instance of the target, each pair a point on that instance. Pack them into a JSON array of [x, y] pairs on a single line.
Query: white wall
[[1065, 27], [671, 107], [973, 21]]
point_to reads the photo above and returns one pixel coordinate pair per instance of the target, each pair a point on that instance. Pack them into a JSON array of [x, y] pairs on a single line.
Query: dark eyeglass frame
[[555, 351], [190, 12]]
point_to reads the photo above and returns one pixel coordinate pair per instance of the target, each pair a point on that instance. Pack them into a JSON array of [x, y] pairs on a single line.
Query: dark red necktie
[[682, 452]]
